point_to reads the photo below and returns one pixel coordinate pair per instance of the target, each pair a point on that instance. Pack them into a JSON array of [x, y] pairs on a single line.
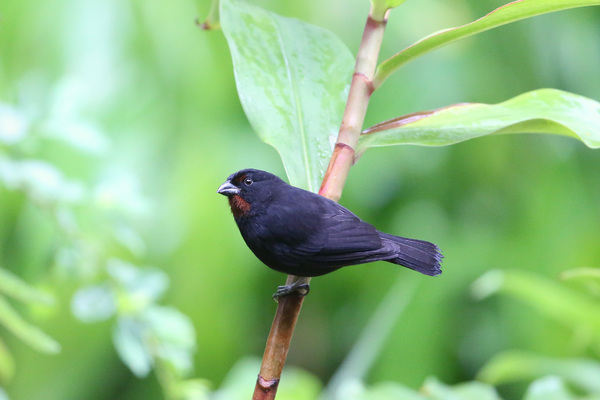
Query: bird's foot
[[299, 288]]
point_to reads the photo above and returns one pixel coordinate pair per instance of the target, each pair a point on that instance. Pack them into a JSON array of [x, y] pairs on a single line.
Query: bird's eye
[[248, 181]]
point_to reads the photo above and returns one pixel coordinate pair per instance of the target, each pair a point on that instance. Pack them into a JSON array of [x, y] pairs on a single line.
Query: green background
[[162, 93]]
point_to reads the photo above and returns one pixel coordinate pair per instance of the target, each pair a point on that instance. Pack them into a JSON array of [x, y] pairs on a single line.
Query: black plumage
[[302, 233]]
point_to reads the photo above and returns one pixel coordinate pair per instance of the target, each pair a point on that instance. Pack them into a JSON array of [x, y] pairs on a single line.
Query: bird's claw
[[297, 288]]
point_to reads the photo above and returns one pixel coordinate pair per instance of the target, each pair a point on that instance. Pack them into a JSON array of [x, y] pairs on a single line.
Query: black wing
[[309, 235], [342, 239]]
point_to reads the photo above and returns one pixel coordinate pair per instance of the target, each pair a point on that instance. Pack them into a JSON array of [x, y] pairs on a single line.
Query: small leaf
[[293, 80], [392, 391], [128, 237], [12, 286], [94, 303], [129, 340], [475, 391], [299, 384], [30, 334], [174, 336], [13, 124], [76, 261], [171, 325], [142, 286], [548, 388], [540, 111], [240, 380], [42, 181], [436, 390], [511, 12], [195, 389]]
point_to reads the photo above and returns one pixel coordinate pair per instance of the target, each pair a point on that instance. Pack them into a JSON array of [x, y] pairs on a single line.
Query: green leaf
[[141, 286], [548, 388], [129, 338], [298, 384], [556, 301], [582, 273], [589, 277], [126, 235], [436, 390], [30, 334], [475, 391], [514, 366], [293, 80], [240, 380], [13, 124], [94, 304], [14, 287], [40, 180], [511, 12], [194, 389], [391, 391], [174, 337], [540, 111]]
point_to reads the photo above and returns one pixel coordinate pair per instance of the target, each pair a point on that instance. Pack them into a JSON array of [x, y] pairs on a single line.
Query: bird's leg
[[299, 288]]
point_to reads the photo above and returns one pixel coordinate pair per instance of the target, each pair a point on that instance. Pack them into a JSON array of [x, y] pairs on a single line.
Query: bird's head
[[247, 187]]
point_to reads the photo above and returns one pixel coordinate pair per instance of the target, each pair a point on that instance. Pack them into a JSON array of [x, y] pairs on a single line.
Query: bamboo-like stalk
[[333, 183], [356, 108], [278, 344]]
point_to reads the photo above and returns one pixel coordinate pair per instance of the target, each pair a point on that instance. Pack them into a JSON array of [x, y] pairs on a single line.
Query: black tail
[[419, 255]]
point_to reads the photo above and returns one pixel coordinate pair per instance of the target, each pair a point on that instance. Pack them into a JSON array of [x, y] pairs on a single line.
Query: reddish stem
[[278, 345], [335, 177]]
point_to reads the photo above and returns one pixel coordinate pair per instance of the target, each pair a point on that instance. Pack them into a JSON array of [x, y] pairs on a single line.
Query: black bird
[[301, 233]]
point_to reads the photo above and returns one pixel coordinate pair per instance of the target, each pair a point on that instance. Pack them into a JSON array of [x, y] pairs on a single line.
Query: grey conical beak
[[228, 189]]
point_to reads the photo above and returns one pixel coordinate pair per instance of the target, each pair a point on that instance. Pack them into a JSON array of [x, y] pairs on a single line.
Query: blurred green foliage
[[120, 119]]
